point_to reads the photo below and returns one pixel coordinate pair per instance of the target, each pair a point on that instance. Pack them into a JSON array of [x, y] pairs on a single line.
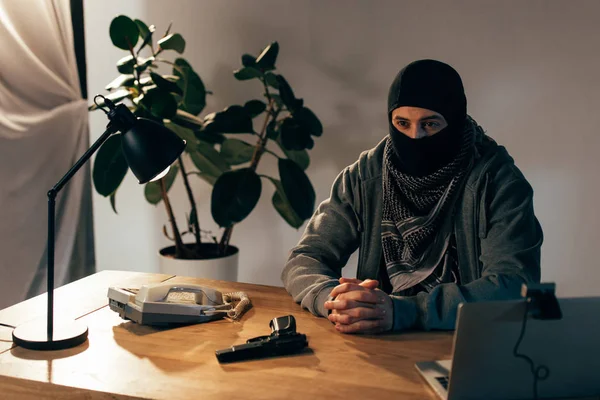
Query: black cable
[[8, 326], [541, 372]]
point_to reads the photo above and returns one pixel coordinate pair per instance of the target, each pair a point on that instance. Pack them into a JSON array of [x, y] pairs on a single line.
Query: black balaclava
[[435, 86]]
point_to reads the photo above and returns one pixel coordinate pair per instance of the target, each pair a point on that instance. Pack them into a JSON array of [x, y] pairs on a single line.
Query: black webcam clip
[[542, 300]]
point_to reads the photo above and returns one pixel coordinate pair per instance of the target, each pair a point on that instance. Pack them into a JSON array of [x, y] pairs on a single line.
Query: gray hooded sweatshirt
[[498, 239]]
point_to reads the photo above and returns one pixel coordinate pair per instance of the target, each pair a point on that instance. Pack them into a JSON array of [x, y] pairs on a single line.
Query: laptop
[[483, 365]]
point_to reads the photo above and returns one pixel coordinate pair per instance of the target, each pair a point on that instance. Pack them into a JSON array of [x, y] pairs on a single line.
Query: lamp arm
[[110, 129], [52, 193]]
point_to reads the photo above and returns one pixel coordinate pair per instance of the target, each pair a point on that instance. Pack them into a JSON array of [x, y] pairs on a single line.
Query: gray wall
[[530, 71]]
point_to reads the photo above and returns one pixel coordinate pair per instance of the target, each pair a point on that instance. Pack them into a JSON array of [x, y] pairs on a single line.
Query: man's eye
[[431, 125], [403, 124]]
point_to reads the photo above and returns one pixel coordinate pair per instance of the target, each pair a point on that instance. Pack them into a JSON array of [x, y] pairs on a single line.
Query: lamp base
[[33, 335]]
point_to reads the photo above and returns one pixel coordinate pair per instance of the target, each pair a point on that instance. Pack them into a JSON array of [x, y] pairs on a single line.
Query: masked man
[[439, 212]]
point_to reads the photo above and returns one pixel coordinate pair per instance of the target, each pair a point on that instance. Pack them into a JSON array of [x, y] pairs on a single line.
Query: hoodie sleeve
[[331, 236]]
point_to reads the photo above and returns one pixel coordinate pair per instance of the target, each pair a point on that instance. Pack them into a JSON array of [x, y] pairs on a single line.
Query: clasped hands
[[360, 307]]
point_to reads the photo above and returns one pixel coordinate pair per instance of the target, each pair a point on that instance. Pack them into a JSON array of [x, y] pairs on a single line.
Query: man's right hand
[[358, 301], [369, 283]]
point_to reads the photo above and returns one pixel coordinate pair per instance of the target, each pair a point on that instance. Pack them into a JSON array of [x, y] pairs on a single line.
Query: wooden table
[[124, 360]]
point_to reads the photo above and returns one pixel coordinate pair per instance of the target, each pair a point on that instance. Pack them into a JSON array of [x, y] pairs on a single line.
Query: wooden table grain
[[124, 360]]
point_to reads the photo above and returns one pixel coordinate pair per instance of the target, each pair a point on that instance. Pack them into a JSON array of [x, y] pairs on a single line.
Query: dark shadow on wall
[[352, 134]]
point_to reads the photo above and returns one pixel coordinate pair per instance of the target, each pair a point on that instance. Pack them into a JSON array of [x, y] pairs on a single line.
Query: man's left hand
[[359, 307]]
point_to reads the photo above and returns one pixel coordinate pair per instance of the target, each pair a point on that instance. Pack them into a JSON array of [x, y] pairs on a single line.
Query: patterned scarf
[[415, 228]]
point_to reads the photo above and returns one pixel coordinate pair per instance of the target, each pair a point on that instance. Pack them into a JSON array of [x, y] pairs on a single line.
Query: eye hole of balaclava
[[435, 86]]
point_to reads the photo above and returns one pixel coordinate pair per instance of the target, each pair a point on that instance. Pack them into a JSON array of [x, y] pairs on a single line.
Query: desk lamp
[[149, 148]]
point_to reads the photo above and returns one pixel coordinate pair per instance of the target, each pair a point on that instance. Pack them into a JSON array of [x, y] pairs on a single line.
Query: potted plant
[[217, 155]]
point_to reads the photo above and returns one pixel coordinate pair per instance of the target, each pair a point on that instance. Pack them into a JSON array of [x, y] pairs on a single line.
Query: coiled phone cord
[[243, 305]]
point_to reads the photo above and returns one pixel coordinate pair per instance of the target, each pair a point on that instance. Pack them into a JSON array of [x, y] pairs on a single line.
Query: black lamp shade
[[150, 148]]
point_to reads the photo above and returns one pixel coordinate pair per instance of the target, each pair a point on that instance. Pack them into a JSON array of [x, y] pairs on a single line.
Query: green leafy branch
[[229, 164], [289, 124]]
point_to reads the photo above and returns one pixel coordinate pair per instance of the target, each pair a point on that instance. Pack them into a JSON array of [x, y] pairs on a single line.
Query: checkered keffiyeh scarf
[[415, 209]]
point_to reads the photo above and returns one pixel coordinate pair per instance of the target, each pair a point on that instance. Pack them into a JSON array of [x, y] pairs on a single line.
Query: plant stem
[[224, 243], [188, 189], [180, 250], [136, 74], [178, 69], [262, 139], [264, 81], [259, 149]]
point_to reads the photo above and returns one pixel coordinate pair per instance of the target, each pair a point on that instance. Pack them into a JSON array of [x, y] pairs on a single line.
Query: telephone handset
[[168, 303], [161, 291]]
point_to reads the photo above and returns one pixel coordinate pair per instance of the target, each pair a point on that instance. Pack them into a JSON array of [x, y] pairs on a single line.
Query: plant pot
[[213, 266]]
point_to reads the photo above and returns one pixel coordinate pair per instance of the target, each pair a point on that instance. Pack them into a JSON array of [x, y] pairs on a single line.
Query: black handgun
[[283, 340]]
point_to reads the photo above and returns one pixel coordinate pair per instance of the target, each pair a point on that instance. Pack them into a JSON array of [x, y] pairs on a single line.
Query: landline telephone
[[168, 303]]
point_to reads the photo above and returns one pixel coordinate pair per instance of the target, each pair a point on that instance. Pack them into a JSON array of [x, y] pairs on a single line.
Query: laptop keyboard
[[443, 380]]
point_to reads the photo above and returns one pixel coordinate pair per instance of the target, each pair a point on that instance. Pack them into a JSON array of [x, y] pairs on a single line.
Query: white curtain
[[43, 131]]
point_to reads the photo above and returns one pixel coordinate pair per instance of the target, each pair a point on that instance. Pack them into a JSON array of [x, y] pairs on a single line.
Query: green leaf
[[187, 120], [255, 107], [194, 92], [125, 64], [142, 112], [207, 159], [211, 180], [173, 41], [273, 130], [143, 28], [143, 64], [266, 60], [123, 32], [271, 80], [171, 78], [300, 157], [115, 97], [277, 99], [234, 196], [110, 166], [248, 60], [293, 135], [148, 88], [246, 73], [145, 81], [152, 190], [283, 205], [165, 85], [236, 151], [210, 137], [112, 201], [145, 33], [234, 119], [121, 81], [309, 121], [297, 188], [184, 133], [287, 94], [160, 103]]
